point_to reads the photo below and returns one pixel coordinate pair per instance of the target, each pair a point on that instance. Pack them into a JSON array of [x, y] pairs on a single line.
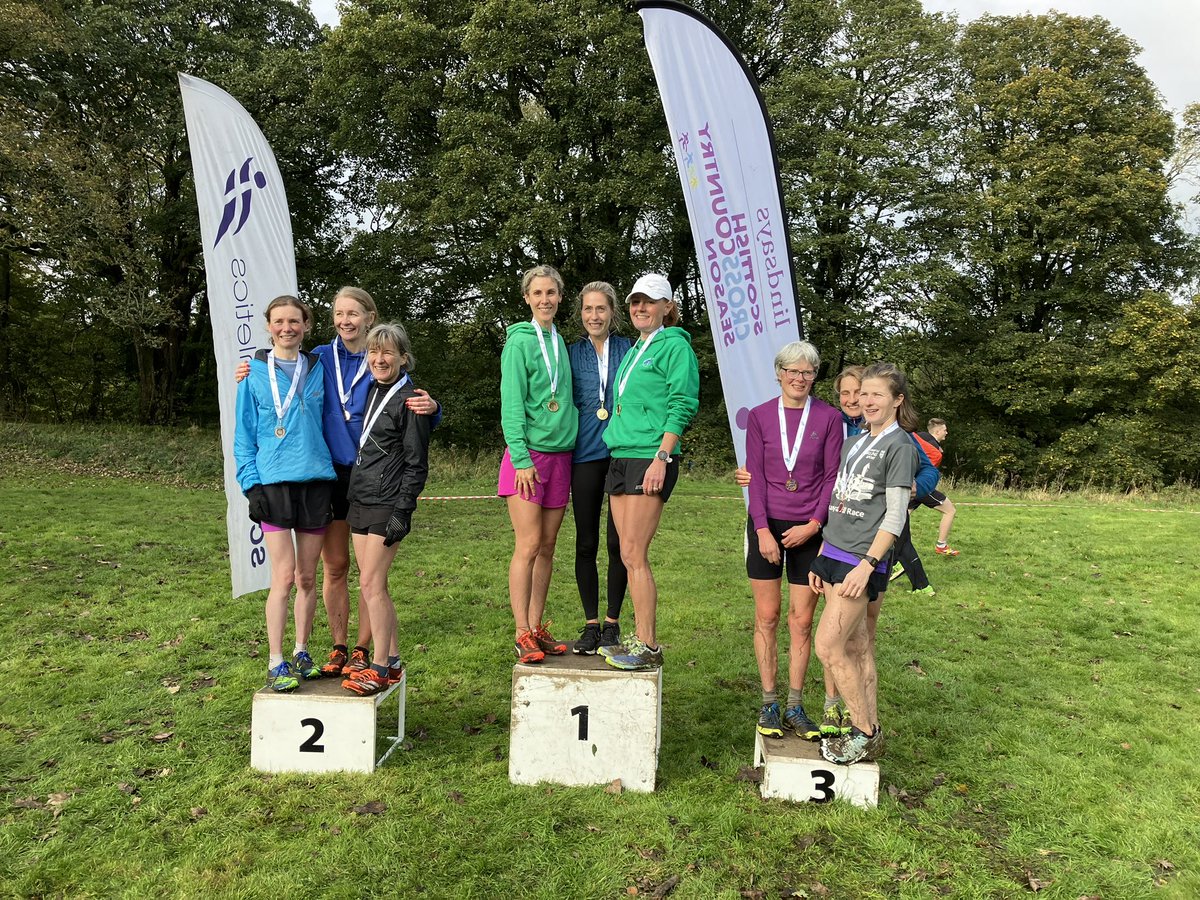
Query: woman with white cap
[[657, 393]]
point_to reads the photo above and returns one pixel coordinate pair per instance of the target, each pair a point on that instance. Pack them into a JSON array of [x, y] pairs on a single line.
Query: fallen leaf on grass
[[172, 689], [707, 763], [471, 729], [1037, 884], [489, 719], [456, 797], [752, 894], [204, 681], [819, 889], [1125, 745], [645, 853], [939, 779], [370, 808], [750, 774], [199, 812], [126, 788], [28, 803], [1162, 866], [421, 648], [667, 886], [915, 666], [174, 642], [593, 829], [614, 787]]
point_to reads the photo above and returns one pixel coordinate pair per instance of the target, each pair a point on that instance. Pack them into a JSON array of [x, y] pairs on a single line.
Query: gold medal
[[552, 405], [602, 414], [791, 485], [345, 414], [280, 431]]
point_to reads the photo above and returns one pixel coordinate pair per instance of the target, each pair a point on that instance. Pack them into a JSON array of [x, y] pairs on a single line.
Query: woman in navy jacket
[[595, 359]]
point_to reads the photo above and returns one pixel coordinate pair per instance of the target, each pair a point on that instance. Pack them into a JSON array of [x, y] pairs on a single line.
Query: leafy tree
[[1064, 218], [862, 123], [99, 196]]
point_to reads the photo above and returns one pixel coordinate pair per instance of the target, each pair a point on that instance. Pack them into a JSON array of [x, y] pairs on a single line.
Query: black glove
[[398, 527], [257, 498]]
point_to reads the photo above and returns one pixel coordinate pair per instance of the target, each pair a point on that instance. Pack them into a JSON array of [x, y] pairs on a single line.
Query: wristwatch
[[871, 560], [662, 454]]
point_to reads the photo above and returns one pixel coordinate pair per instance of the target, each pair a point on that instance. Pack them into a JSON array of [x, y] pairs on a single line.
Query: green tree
[[1064, 218], [99, 195], [861, 112]]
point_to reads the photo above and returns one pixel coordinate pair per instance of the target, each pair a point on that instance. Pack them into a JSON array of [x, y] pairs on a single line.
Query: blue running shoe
[[304, 665], [796, 719], [768, 721], [282, 679], [636, 655]]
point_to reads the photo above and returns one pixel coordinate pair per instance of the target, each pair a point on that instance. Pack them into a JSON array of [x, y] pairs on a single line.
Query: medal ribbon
[[300, 375], [602, 365], [861, 447], [370, 417], [790, 456], [344, 395], [552, 373], [625, 380]]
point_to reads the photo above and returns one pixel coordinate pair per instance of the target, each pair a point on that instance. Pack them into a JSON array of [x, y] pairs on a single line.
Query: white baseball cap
[[653, 285]]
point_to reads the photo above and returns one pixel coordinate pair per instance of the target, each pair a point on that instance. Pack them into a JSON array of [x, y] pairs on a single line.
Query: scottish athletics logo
[[236, 178]]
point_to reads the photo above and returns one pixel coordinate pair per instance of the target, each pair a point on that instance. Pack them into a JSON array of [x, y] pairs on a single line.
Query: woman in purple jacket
[[793, 444]]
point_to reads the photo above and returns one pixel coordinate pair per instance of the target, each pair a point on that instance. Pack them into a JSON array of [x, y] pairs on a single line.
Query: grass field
[[1042, 711]]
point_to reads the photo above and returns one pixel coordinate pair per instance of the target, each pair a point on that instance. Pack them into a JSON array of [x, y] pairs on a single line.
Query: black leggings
[[906, 554], [587, 496]]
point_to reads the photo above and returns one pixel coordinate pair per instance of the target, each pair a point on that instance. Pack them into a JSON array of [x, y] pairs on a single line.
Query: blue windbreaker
[[585, 382]]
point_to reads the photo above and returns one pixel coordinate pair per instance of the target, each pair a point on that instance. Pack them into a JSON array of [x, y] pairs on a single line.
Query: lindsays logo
[[239, 177]]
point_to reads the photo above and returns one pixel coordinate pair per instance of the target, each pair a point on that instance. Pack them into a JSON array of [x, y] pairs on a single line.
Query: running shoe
[[768, 721], [636, 655], [897, 571], [945, 550], [831, 721], [337, 662], [282, 678], [548, 644], [874, 746], [610, 635], [395, 673], [846, 748], [366, 683], [528, 650], [304, 666], [795, 719], [928, 591], [359, 661], [589, 640]]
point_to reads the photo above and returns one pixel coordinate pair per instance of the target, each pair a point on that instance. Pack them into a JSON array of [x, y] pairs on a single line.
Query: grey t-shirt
[[868, 468]]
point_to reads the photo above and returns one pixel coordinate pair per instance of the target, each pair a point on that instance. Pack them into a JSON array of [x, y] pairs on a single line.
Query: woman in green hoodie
[[540, 422], [657, 393]]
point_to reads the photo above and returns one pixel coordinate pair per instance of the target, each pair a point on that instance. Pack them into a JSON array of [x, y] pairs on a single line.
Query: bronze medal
[[791, 485], [552, 405], [602, 414], [280, 431]]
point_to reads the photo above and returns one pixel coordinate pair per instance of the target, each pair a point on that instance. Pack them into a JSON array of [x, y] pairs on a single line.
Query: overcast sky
[[1166, 30]]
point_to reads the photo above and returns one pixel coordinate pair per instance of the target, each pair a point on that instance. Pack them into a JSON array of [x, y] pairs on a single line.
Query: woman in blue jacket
[[285, 471], [595, 358]]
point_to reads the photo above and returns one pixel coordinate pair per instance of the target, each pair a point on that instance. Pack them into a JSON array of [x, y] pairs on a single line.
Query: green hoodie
[[661, 395], [525, 391]]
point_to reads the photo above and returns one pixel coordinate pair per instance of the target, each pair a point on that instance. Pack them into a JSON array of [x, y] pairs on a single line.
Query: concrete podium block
[[321, 727], [578, 721], [793, 769]]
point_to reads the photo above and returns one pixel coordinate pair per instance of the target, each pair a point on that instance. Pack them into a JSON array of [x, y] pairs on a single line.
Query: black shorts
[[797, 559], [368, 519], [299, 504], [625, 477], [831, 571], [933, 499], [339, 501]]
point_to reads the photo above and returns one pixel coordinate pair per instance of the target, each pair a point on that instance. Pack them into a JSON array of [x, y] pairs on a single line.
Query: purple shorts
[[554, 470]]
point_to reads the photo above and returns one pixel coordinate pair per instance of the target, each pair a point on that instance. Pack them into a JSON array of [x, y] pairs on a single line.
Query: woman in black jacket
[[388, 476]]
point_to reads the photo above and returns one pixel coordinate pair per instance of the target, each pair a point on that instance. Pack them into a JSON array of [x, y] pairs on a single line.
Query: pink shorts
[[554, 470]]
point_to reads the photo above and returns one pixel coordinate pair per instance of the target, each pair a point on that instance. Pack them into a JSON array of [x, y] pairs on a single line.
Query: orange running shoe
[[337, 662], [548, 644], [528, 650], [366, 683], [359, 661]]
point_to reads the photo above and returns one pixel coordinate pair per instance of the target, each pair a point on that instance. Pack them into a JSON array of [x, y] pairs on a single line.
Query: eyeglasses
[[797, 374]]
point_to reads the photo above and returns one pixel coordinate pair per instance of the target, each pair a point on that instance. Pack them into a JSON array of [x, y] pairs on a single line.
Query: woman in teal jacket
[[285, 471], [540, 422], [657, 392]]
